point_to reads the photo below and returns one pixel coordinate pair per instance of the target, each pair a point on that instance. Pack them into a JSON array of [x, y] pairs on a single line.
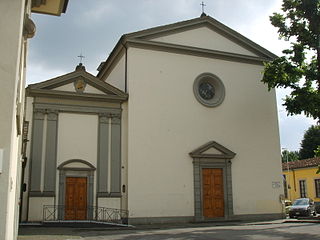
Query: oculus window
[[209, 90]]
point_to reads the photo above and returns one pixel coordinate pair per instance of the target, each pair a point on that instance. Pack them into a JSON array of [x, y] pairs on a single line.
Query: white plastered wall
[[77, 139], [70, 88], [117, 75], [209, 40], [36, 207], [166, 122]]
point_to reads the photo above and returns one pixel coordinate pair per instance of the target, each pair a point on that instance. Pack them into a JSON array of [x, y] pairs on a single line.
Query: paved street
[[258, 231]]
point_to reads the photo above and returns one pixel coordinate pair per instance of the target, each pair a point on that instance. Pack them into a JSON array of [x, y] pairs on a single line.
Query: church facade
[[176, 126]]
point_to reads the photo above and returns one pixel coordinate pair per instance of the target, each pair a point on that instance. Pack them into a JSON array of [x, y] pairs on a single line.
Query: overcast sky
[[93, 27]]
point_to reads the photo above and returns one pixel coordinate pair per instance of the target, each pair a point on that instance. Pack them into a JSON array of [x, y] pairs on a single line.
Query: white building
[[16, 27], [175, 127]]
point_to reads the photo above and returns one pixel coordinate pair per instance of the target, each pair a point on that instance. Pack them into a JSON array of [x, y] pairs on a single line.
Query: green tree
[[317, 152], [299, 67], [289, 155], [310, 142]]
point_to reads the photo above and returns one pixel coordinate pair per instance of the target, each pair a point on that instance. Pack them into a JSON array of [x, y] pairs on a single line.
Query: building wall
[[116, 76], [12, 64], [77, 137], [191, 38], [78, 134], [293, 177], [166, 123]]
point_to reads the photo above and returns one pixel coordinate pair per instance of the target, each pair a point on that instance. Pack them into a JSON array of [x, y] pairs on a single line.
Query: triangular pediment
[[212, 150], [202, 33], [77, 84], [202, 37]]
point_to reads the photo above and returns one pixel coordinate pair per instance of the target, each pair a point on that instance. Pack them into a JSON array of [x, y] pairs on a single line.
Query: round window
[[209, 90]]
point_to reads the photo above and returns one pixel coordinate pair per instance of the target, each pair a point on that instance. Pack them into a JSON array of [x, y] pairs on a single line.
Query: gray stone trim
[[35, 194], [51, 152], [199, 22], [115, 58], [36, 150], [147, 35], [103, 154], [42, 194], [224, 163], [65, 172], [75, 95], [90, 166], [108, 195], [219, 89], [115, 154], [190, 219], [76, 109], [258, 217], [225, 152], [45, 88], [159, 220], [194, 51]]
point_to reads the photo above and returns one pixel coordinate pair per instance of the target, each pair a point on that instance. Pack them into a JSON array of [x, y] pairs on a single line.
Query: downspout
[[125, 69]]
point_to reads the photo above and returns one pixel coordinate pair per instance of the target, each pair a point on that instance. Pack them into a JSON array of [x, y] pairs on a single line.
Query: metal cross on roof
[[202, 5], [81, 57]]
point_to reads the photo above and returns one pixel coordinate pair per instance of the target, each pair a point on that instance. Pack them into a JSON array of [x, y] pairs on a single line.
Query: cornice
[[194, 51], [75, 95]]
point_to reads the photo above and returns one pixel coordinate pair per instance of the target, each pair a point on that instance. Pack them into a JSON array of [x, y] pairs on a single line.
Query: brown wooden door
[[213, 197], [76, 198]]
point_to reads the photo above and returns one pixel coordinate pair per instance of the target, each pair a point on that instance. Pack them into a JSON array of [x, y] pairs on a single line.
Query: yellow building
[[301, 179]]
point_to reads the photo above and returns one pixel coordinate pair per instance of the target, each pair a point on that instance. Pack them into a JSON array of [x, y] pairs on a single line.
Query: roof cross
[[202, 5], [81, 57]]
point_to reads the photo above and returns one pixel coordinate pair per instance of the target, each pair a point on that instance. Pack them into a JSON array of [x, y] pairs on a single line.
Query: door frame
[[221, 159], [86, 171]]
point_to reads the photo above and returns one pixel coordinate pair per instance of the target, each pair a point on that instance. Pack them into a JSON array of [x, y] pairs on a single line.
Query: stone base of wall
[[191, 219]]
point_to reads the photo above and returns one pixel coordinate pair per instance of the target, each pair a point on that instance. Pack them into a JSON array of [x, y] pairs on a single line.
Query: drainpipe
[[125, 69]]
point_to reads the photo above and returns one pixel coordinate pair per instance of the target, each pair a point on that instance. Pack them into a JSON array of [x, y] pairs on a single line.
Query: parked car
[[302, 207]]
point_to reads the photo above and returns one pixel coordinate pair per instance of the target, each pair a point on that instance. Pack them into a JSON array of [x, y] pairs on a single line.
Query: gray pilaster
[[103, 152], [36, 151], [62, 179], [90, 194], [229, 187], [197, 190], [51, 153], [115, 154]]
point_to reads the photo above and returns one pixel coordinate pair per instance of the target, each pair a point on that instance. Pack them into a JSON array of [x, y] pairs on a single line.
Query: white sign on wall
[[276, 185]]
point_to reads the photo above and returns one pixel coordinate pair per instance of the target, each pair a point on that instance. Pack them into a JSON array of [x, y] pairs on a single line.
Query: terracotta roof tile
[[310, 162]]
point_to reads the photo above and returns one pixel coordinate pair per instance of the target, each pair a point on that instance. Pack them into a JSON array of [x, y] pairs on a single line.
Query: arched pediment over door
[[212, 181]]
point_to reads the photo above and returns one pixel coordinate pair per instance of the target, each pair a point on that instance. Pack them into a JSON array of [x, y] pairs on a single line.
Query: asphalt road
[[258, 231]]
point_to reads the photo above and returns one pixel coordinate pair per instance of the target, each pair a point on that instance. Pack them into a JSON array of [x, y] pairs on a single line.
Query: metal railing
[[93, 213]]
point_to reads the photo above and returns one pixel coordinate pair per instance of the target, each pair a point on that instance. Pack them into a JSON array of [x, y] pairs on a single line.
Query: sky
[[93, 27]]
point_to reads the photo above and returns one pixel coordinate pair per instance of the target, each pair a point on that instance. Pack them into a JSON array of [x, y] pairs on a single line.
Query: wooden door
[[213, 197], [76, 198]]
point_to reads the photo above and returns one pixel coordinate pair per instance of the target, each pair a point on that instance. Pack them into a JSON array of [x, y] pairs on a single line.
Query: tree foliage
[[310, 142], [317, 152], [289, 156], [299, 67]]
